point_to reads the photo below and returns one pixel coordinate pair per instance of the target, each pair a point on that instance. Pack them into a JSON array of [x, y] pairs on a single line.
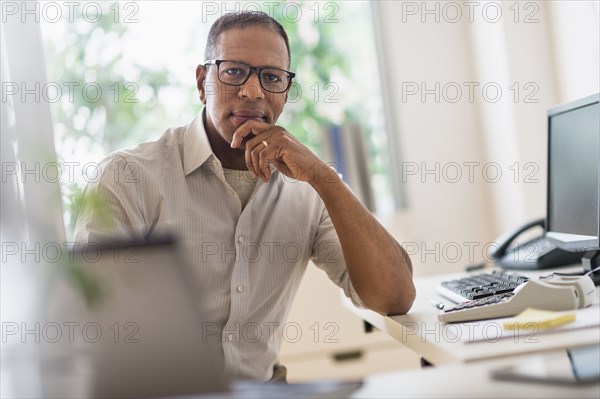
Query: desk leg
[[424, 362], [368, 326]]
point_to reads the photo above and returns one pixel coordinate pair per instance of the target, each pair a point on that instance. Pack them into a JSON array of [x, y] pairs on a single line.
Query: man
[[250, 204]]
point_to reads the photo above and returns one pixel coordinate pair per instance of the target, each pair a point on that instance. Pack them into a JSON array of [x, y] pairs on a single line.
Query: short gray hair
[[240, 20]]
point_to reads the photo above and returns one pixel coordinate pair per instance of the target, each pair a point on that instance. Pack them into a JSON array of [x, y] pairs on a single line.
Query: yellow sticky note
[[539, 319]]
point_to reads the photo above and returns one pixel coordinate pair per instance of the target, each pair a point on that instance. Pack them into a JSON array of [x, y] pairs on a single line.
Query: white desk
[[467, 381], [420, 331], [455, 381]]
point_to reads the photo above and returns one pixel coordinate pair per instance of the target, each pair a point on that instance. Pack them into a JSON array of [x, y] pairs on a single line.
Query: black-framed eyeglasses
[[236, 73]]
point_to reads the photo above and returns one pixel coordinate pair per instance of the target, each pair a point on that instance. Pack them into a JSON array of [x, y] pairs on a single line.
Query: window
[[121, 73]]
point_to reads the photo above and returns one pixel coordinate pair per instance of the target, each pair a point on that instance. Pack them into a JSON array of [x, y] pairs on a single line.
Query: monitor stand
[[590, 261]]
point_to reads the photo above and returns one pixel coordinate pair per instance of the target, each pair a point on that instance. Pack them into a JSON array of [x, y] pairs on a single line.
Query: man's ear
[[200, 81]]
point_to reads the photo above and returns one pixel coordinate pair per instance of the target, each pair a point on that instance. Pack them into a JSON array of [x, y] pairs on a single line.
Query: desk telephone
[[557, 293], [538, 253]]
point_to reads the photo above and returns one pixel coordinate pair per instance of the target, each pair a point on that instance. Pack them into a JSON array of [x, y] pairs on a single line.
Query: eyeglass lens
[[271, 79]]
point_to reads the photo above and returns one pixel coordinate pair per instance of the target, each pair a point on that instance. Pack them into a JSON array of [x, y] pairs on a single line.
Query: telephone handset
[[537, 253]]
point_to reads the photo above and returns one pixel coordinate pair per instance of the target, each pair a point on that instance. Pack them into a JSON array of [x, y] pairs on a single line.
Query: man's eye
[[235, 72], [272, 78]]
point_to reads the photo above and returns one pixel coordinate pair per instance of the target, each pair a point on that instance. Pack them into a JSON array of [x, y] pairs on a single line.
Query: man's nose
[[252, 90]]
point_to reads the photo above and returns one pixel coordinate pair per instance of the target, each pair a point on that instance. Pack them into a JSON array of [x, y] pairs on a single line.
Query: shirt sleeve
[[111, 208], [328, 256]]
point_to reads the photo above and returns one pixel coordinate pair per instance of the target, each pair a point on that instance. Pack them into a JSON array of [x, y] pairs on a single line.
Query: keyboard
[[480, 286]]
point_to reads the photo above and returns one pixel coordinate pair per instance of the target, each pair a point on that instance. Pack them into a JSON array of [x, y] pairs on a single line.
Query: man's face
[[228, 107]]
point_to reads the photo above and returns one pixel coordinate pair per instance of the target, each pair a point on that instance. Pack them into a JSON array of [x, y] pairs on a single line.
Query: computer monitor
[[573, 216]]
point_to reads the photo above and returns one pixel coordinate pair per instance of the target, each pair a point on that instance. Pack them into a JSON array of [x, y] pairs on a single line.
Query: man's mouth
[[239, 117]]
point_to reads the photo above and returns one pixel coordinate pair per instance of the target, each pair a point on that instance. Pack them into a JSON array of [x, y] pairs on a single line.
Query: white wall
[[552, 47], [576, 42]]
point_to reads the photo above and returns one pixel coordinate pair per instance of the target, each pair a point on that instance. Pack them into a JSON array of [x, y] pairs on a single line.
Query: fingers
[[261, 158], [258, 156], [256, 165], [251, 157], [249, 127], [255, 154]]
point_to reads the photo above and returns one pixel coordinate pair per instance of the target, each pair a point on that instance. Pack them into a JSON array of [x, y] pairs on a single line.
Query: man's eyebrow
[[272, 66], [257, 66], [268, 66]]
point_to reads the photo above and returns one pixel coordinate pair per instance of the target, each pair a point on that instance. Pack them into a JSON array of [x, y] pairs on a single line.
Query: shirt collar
[[196, 147]]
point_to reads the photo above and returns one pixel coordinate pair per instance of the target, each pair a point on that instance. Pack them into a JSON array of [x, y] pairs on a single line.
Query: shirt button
[[230, 337], [240, 239], [240, 288]]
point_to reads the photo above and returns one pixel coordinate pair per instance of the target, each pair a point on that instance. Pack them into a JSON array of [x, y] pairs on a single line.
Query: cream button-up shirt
[[245, 264]]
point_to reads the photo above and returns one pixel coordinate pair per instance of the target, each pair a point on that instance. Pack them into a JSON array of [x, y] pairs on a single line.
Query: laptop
[[130, 327]]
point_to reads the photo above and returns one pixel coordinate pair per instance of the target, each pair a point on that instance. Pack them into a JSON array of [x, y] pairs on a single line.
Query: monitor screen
[[573, 176]]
